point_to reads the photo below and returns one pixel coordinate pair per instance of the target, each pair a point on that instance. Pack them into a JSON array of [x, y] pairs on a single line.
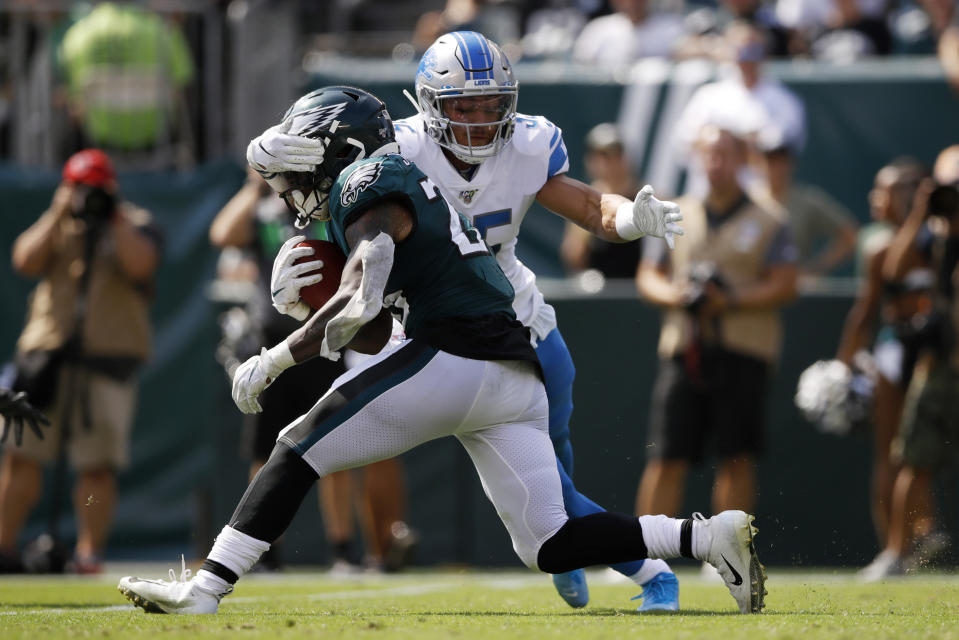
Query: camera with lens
[[701, 275], [98, 205], [943, 200]]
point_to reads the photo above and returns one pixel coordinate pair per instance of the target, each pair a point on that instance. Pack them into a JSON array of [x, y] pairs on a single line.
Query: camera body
[[701, 274], [97, 206], [943, 200]]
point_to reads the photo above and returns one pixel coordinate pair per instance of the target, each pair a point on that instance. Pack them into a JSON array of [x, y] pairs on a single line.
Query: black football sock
[[597, 539], [263, 514]]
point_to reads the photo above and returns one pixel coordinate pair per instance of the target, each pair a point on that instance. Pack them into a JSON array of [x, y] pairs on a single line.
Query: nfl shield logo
[[467, 196]]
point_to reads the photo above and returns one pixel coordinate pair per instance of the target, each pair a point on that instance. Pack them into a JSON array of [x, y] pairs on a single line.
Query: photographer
[[87, 333], [720, 291], [928, 437]]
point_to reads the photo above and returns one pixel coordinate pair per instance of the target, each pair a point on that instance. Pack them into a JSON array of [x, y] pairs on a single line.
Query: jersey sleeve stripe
[[558, 161], [552, 141]]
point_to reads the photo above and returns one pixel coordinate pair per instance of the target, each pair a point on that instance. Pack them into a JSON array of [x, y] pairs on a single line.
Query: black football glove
[[17, 410]]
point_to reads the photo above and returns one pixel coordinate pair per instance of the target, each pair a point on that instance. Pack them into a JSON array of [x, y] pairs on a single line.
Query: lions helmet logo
[[316, 119], [467, 196], [362, 177]]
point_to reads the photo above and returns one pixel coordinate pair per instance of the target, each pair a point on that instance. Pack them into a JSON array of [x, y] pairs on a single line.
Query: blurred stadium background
[[251, 58]]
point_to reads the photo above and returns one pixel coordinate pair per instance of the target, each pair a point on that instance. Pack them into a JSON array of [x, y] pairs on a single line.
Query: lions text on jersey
[[497, 197]]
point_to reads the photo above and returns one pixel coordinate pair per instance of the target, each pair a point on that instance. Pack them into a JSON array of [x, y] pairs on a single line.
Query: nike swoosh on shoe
[[738, 578]]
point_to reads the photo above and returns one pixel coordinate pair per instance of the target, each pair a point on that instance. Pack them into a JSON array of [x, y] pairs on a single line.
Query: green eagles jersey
[[451, 290]]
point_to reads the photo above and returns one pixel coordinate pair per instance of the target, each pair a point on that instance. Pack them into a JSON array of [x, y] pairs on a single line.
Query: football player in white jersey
[[491, 163]]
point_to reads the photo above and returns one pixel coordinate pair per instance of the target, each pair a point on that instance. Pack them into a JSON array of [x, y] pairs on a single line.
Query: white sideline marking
[[112, 607], [408, 590]]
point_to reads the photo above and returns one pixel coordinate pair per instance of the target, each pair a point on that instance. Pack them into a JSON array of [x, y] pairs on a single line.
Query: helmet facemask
[[473, 145], [307, 196]]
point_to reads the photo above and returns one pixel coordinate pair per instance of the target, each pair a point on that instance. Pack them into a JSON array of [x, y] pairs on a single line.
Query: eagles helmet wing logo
[[362, 177], [316, 119]]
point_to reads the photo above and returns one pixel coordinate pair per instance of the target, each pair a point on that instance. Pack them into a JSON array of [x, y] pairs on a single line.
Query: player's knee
[[529, 548], [528, 554], [550, 555]]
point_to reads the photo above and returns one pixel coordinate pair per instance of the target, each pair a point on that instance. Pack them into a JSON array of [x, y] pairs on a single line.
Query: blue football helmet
[[465, 64]]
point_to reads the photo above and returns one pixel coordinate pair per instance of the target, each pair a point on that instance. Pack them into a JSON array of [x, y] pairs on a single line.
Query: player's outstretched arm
[[609, 216], [648, 216]]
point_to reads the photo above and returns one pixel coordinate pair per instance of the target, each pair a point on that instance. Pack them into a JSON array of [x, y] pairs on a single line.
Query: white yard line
[[407, 590], [113, 607]]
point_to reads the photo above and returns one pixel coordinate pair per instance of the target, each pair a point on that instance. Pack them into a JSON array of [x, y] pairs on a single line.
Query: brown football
[[316, 295]]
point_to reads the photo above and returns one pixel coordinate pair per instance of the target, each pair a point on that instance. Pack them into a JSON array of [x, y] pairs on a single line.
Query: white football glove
[[288, 278], [648, 216], [275, 151], [258, 373]]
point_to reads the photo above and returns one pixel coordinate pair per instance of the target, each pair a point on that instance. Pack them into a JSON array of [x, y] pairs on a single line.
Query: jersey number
[[486, 221], [466, 238]]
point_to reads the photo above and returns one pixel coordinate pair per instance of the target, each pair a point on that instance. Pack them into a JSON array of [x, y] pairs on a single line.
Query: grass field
[[512, 604]]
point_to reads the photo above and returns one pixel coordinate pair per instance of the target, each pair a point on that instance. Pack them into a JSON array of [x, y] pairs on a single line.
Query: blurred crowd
[[622, 31], [142, 78]]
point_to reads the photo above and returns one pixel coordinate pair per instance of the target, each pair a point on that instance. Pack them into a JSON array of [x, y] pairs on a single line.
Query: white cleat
[[887, 564], [182, 596], [732, 552]]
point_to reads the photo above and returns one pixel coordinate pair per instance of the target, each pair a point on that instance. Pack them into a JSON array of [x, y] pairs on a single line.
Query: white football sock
[[701, 540], [650, 569], [237, 551], [661, 535], [211, 583]]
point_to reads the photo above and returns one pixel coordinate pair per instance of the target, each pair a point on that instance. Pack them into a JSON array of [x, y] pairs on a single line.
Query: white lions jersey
[[497, 197]]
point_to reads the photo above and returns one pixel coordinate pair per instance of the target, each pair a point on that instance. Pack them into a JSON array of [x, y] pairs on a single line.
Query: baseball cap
[[91, 167]]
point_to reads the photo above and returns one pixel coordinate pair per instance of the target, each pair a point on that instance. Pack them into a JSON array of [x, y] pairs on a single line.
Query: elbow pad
[[377, 259]]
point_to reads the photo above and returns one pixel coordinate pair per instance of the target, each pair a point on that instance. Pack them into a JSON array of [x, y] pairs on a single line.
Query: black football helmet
[[353, 123]]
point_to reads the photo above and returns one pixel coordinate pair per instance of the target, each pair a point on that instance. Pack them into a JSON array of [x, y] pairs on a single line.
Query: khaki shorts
[[929, 432], [99, 428]]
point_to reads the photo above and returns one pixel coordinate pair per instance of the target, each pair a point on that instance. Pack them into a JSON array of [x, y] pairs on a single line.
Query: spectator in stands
[[609, 172], [744, 102], [944, 16], [720, 292], [928, 437], [126, 70], [706, 25], [498, 21], [258, 222], [631, 33], [87, 333], [552, 26], [824, 230], [839, 30], [891, 302]]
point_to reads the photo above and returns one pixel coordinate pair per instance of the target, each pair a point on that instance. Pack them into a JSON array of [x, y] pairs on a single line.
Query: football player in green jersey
[[466, 369]]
